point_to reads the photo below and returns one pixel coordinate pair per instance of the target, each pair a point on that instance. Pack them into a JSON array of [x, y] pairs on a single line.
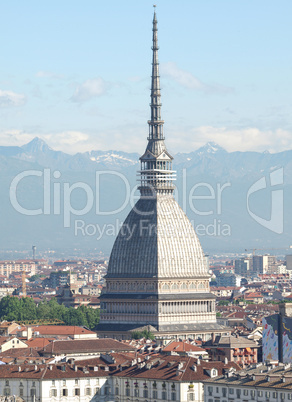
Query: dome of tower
[[157, 240]]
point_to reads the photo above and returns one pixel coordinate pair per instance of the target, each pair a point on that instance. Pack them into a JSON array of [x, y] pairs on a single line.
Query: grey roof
[[157, 240], [231, 342], [258, 375], [156, 296], [203, 327]]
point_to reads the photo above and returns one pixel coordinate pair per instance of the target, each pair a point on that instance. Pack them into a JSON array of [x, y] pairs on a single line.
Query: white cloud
[[90, 89], [15, 137], [131, 138], [11, 99], [189, 81], [184, 78], [237, 139], [66, 141], [49, 74]]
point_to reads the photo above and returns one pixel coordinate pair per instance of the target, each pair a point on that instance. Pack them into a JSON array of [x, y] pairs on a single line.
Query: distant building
[[289, 262], [9, 267], [257, 383], [257, 264], [70, 298], [236, 349], [277, 338], [227, 280], [243, 266]]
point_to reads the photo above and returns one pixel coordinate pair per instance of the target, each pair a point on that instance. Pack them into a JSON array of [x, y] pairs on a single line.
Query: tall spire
[[156, 174], [155, 124]]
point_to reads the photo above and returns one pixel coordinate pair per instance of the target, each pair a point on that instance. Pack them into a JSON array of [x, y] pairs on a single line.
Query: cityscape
[[139, 259]]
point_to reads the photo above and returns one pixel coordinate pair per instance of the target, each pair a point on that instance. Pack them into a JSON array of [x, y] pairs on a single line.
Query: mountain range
[[213, 187]]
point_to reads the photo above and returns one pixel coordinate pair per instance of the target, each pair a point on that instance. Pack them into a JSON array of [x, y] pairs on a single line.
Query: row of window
[[145, 393], [75, 392], [252, 393]]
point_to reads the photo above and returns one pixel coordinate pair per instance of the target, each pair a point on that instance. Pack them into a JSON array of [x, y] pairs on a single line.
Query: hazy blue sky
[[77, 73]]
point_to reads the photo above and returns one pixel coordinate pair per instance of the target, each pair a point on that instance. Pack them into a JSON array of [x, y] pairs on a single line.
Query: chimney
[[19, 369], [225, 360], [29, 333], [35, 367]]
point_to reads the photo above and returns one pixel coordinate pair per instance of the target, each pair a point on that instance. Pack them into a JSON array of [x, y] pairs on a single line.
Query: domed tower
[[157, 276]]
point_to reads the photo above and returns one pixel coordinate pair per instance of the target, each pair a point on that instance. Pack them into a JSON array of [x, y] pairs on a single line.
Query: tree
[[223, 303], [143, 334], [25, 309]]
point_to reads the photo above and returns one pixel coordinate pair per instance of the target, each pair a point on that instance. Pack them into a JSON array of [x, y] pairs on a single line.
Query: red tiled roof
[[86, 346], [38, 343], [61, 330], [174, 368], [182, 347]]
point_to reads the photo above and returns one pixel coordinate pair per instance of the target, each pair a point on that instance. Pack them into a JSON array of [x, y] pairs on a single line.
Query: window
[[88, 391], [260, 393], [231, 391], [238, 393], [7, 383], [275, 395], [77, 391], [173, 396], [290, 397], [224, 391], [96, 391], [21, 391], [53, 392], [163, 395], [282, 396], [116, 391], [53, 383], [64, 392], [6, 391], [267, 394], [154, 393], [136, 392], [210, 390], [127, 391], [76, 381], [145, 393], [245, 392], [191, 396], [64, 382], [32, 392]]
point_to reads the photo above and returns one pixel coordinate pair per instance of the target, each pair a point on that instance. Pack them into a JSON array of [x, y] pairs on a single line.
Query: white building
[[258, 383], [53, 382]]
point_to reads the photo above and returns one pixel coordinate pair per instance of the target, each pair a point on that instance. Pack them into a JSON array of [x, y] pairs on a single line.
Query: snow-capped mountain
[[210, 166]]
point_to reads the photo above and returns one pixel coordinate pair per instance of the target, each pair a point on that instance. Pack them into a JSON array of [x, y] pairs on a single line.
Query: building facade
[[258, 383]]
